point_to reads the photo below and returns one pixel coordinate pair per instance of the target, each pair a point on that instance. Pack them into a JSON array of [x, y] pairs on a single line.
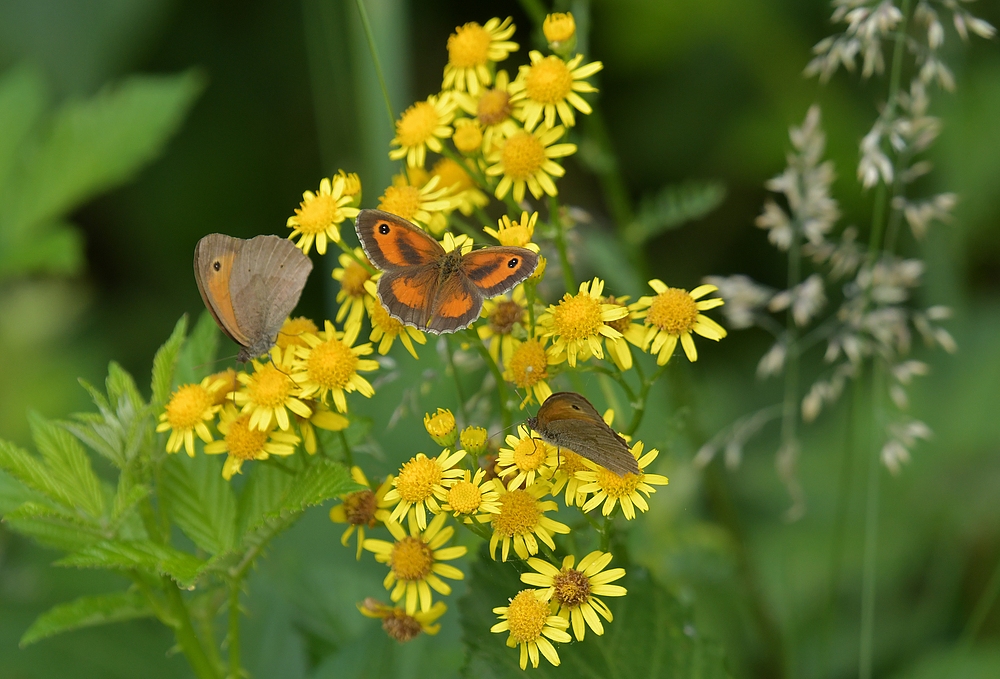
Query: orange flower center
[[530, 454], [504, 316], [469, 46], [519, 514], [353, 281], [242, 442], [522, 156], [548, 81], [411, 559], [577, 316], [417, 479], [269, 387], [529, 364], [452, 175], [493, 107], [572, 587], [403, 201], [618, 486], [526, 617], [468, 136], [673, 311], [292, 331], [331, 364], [465, 497], [187, 407], [318, 213], [382, 319], [417, 124]]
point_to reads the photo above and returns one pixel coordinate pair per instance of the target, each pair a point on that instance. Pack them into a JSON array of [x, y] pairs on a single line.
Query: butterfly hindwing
[[408, 295], [457, 304], [496, 270], [392, 243]]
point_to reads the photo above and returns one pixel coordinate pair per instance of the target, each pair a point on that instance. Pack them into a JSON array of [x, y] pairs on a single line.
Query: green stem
[[465, 228], [187, 639], [607, 528], [378, 65], [497, 375], [790, 402], [869, 567], [639, 407], [348, 453], [535, 10], [567, 269], [458, 381], [349, 251], [982, 609], [235, 670]]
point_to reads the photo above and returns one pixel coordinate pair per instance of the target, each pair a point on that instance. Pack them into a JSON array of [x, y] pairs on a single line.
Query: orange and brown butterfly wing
[[496, 270], [408, 294], [213, 265], [392, 243], [457, 304]]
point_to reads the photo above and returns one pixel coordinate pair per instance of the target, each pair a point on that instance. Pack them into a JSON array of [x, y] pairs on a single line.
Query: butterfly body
[[250, 286], [431, 289], [568, 420]]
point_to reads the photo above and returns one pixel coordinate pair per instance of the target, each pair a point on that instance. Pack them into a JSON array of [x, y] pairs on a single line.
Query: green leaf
[[68, 465], [199, 351], [673, 206], [30, 471], [95, 144], [141, 555], [200, 501], [128, 495], [87, 611], [53, 526], [165, 362], [652, 634], [22, 100], [123, 425], [56, 249]]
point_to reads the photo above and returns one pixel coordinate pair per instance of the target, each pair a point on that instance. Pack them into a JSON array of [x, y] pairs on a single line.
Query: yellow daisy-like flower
[[573, 592], [471, 497], [399, 624], [243, 442], [528, 369], [579, 322], [522, 519], [385, 328], [415, 561], [362, 508], [471, 48], [529, 621], [353, 294], [559, 29], [518, 234], [420, 479], [674, 314], [187, 411], [473, 440], [422, 127], [468, 136], [318, 215], [631, 333], [466, 196], [610, 489], [495, 111], [566, 476], [224, 385], [550, 85], [524, 459], [352, 186], [292, 330], [441, 426], [321, 417], [425, 205], [330, 365], [270, 393], [503, 315], [525, 159]]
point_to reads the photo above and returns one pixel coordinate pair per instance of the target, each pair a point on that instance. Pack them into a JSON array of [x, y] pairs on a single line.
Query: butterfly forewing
[[213, 263], [496, 270], [598, 444], [392, 243]]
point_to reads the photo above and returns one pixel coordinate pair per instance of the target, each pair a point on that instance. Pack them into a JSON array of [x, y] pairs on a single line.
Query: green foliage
[[88, 611], [671, 207], [138, 555], [653, 635], [54, 159]]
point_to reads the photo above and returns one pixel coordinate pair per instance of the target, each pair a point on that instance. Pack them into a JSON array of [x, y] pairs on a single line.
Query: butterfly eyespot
[[217, 265], [512, 262], [383, 229], [576, 407]]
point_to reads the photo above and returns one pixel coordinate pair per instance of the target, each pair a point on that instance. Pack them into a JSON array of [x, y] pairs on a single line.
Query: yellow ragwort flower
[[573, 591], [399, 624], [674, 314], [471, 497], [362, 508], [420, 479], [471, 48], [321, 417], [187, 411], [631, 333], [330, 365], [522, 519], [422, 127], [414, 562], [559, 29], [352, 296], [569, 463], [441, 427], [292, 331], [468, 136], [504, 315], [531, 625], [424, 204], [495, 110], [528, 369], [518, 234], [352, 186], [243, 442], [385, 328], [318, 214], [473, 440], [465, 195], [550, 86], [524, 459], [270, 393], [525, 159], [610, 489], [579, 322], [224, 385]]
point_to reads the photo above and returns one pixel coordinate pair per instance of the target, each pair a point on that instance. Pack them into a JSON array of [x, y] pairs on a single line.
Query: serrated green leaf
[[53, 527], [101, 436], [123, 426], [262, 493], [652, 635], [200, 501], [68, 465], [121, 386], [141, 555], [198, 353], [127, 496], [165, 362], [30, 471], [671, 207], [87, 611]]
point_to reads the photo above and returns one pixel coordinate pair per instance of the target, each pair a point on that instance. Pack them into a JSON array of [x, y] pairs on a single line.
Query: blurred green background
[[248, 104]]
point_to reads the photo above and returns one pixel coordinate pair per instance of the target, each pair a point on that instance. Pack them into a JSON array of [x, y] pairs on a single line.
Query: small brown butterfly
[[431, 289], [568, 420]]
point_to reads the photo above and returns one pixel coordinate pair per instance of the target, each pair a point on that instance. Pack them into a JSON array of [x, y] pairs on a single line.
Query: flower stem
[[349, 251], [348, 453], [982, 609], [187, 639], [869, 570], [497, 375], [235, 670], [378, 65], [639, 404], [567, 268], [458, 381]]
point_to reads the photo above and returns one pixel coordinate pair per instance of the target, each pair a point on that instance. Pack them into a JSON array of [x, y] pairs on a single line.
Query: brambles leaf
[[165, 362], [198, 353], [200, 502], [68, 466], [87, 611], [141, 555]]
